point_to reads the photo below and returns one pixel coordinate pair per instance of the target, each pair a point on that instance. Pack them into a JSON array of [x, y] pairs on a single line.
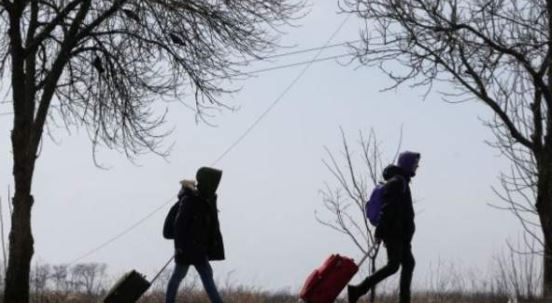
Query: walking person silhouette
[[395, 228], [197, 236]]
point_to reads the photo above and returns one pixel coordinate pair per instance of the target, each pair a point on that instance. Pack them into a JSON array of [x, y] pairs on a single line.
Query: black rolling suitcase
[[130, 287]]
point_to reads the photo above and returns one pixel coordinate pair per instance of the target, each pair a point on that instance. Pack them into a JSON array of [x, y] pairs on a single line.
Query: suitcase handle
[[162, 269]]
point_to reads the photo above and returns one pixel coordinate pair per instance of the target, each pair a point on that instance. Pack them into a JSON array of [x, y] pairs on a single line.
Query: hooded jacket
[[397, 213], [197, 229], [408, 161]]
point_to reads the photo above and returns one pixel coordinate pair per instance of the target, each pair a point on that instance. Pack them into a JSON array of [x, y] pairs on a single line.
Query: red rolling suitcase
[[325, 283]]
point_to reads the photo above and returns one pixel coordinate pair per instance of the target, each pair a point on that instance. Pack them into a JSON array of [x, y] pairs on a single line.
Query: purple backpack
[[372, 208]]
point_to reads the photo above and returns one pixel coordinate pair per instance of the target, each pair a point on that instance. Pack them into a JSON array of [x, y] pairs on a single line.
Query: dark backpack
[[372, 208], [168, 226]]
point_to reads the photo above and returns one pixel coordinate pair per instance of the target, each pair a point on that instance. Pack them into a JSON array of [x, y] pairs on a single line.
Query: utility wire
[[277, 67], [306, 50], [124, 232], [282, 95], [231, 147], [258, 71]]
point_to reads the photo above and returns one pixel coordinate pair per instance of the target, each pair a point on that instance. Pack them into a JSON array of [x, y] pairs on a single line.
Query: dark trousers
[[205, 274], [399, 254]]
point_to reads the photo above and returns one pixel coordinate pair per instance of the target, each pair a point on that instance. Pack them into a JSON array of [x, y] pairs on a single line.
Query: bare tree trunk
[[24, 149], [547, 280], [21, 250], [21, 239], [24, 158], [544, 190], [544, 209], [546, 220]]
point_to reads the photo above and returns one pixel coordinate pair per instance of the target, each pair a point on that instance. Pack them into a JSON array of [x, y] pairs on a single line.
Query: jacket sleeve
[[390, 207], [182, 223]]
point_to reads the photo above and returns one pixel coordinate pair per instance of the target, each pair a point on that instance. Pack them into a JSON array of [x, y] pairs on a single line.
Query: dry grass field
[[89, 282], [244, 296]]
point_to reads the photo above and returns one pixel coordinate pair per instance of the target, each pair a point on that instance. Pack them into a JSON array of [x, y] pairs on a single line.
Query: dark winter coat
[[197, 229], [397, 214]]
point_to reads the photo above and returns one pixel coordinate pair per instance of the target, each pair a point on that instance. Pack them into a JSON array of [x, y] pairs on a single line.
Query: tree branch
[[34, 41], [482, 93], [117, 4], [55, 73]]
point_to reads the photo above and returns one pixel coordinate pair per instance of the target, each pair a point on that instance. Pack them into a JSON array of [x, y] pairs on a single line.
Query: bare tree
[[496, 52], [40, 275], [101, 65], [519, 274], [59, 277], [345, 202], [90, 277]]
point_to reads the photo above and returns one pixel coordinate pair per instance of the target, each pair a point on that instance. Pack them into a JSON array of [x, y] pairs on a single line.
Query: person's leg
[[407, 270], [178, 274], [206, 274], [394, 249]]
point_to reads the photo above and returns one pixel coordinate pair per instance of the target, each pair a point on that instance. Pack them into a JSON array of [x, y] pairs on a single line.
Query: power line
[[281, 96], [231, 147], [286, 54], [124, 232], [306, 50], [257, 71]]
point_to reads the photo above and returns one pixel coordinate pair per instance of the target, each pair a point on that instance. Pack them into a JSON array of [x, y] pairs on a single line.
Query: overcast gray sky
[[271, 182]]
